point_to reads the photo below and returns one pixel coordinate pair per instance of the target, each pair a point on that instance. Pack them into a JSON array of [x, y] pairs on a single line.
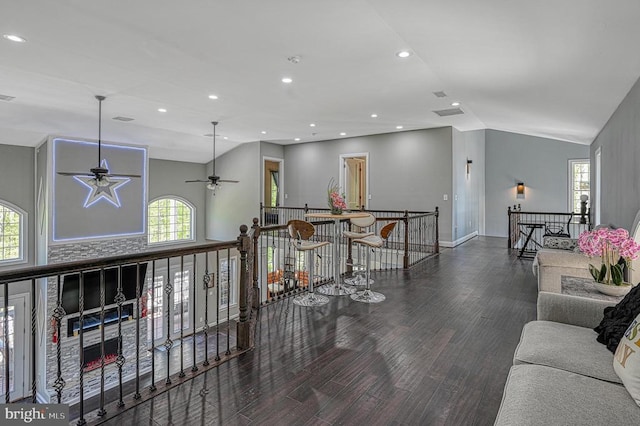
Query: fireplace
[[92, 354]]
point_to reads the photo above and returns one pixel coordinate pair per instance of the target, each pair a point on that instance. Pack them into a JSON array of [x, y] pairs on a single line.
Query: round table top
[[344, 215]]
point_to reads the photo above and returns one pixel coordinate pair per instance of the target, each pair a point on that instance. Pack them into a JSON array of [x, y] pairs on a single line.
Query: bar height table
[[337, 289]]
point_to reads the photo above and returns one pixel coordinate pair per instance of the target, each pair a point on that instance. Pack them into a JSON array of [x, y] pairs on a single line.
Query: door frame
[[280, 162], [22, 319], [342, 171], [162, 270]]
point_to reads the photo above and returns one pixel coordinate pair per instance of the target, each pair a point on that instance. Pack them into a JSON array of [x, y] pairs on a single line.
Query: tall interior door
[[271, 195], [19, 356], [355, 182], [179, 302]]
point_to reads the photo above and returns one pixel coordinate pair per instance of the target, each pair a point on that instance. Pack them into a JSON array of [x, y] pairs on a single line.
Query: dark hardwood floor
[[437, 351]]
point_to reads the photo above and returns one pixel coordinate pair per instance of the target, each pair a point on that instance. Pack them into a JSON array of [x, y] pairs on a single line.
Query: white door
[[179, 302], [353, 180], [17, 340]]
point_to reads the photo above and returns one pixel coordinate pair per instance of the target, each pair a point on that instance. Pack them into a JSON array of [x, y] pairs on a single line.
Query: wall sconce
[[520, 190], [469, 162]]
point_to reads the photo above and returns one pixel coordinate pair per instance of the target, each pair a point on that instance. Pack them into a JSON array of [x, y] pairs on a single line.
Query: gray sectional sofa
[[561, 375], [559, 256]]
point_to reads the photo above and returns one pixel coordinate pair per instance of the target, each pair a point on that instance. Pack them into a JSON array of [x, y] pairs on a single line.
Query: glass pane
[[158, 309], [181, 300], [9, 233], [227, 289], [3, 342], [580, 183], [169, 220]]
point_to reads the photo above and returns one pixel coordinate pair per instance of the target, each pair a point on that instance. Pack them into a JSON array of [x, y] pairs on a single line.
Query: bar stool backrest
[[300, 229], [363, 222], [387, 229]]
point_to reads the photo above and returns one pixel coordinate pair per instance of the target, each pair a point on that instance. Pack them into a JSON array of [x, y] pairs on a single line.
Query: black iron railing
[[528, 229], [110, 302], [281, 271]]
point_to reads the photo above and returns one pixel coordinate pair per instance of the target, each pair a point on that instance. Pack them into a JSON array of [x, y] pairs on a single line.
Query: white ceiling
[[555, 69]]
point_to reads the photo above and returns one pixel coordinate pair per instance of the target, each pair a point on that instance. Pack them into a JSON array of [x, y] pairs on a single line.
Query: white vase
[[613, 290]]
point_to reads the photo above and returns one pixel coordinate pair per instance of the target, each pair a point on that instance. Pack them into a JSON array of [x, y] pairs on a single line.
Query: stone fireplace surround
[[70, 350]]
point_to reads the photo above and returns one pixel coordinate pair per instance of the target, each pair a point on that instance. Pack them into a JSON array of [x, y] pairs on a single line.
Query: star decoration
[[105, 189]]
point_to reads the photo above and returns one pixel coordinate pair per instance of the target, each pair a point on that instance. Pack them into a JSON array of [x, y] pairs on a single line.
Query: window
[[579, 183], [11, 233], [228, 290], [170, 219]]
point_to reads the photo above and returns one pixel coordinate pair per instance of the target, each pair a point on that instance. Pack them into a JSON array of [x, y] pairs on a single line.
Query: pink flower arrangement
[[335, 199], [614, 247]]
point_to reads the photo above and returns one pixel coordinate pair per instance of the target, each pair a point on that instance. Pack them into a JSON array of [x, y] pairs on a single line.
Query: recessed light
[[374, 115], [312, 125], [162, 110], [263, 132], [399, 127], [455, 103], [296, 139], [403, 54], [287, 80], [343, 134], [14, 37], [214, 97], [225, 137]]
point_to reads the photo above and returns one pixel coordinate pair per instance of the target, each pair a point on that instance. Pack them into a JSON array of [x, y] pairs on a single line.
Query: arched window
[[11, 233], [170, 219]]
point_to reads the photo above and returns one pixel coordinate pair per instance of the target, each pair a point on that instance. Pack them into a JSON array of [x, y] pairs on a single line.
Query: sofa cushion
[[626, 361], [538, 395], [617, 319], [566, 347]]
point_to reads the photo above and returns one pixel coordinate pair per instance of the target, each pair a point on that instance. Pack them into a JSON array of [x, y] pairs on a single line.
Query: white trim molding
[[451, 244]]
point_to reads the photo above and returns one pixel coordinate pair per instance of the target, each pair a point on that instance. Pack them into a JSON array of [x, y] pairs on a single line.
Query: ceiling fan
[[100, 173], [213, 181]]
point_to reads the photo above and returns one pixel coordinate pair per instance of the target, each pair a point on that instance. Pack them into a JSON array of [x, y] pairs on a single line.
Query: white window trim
[[193, 222], [23, 235], [570, 164]]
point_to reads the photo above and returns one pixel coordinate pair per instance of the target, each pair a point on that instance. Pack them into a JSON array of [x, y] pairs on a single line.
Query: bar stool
[[362, 223], [301, 231], [372, 242]]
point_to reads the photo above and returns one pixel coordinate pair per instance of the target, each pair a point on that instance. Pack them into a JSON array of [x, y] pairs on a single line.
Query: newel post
[[257, 295], [405, 219], [243, 327]]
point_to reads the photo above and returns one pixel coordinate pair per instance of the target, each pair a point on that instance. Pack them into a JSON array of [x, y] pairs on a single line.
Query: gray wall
[[468, 190], [408, 170], [235, 203], [168, 178], [17, 186], [268, 149], [73, 214], [620, 143], [541, 163]]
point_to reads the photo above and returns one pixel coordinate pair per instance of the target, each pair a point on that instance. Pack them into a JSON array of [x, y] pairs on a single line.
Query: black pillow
[[617, 319]]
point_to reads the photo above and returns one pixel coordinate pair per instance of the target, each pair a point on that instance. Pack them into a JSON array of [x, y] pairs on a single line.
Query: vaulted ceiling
[[555, 69]]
